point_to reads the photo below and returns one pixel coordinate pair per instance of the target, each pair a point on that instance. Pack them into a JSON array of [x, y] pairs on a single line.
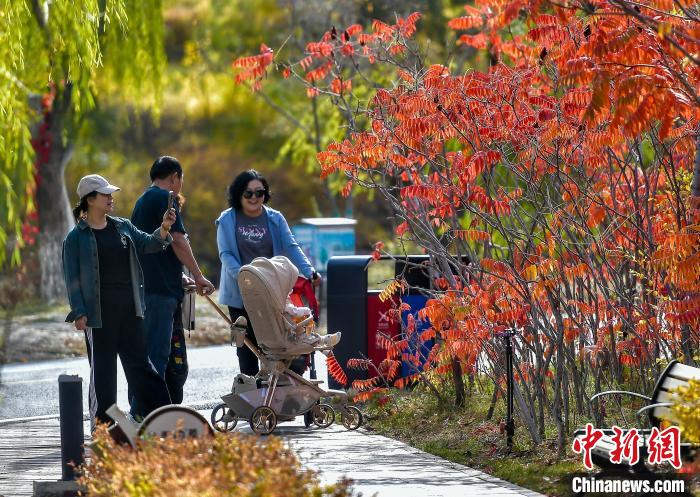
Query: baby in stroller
[[300, 327], [284, 332]]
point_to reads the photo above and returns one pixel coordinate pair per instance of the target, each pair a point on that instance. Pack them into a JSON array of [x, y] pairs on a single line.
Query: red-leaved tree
[[562, 173]]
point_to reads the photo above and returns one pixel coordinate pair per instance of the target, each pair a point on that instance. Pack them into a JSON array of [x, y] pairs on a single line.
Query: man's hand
[[80, 323], [204, 286], [315, 279]]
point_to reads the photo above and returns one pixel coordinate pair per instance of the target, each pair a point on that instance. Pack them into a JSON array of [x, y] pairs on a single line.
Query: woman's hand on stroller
[[238, 331], [315, 278]]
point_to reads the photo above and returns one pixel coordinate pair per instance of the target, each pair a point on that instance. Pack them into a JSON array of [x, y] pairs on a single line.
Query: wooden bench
[[657, 408]]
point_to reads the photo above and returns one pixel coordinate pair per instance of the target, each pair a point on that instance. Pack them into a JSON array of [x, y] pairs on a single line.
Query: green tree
[[56, 58]]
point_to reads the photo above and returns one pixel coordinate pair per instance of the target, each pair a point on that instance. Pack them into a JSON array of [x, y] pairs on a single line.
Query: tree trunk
[[526, 414], [492, 405], [55, 217], [686, 341]]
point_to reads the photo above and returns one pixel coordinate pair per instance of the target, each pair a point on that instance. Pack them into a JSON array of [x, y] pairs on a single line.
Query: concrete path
[[388, 468], [30, 451]]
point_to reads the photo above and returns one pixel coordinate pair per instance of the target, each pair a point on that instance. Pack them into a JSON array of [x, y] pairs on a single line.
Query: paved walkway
[[30, 451], [389, 468]]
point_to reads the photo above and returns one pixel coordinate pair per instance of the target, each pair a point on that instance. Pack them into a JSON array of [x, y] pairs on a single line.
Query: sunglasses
[[257, 193]]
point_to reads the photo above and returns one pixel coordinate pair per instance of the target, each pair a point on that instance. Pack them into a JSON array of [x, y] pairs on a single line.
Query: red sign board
[[378, 324]]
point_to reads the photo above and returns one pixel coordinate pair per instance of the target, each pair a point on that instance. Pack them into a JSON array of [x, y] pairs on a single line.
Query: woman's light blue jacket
[[283, 243]]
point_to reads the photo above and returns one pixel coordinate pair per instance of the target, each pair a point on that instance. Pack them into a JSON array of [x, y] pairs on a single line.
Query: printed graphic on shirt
[[253, 237], [252, 234]]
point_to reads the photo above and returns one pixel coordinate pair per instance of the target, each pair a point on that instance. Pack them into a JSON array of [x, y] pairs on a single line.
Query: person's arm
[[71, 274], [149, 243], [230, 261], [183, 251]]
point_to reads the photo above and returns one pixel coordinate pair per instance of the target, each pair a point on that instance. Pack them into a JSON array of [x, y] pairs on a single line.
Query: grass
[[38, 308], [464, 436]]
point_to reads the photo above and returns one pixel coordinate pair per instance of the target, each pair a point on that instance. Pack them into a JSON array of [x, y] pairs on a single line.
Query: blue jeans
[[158, 321]]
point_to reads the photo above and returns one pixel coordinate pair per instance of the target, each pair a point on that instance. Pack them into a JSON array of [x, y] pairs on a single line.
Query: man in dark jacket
[[163, 277]]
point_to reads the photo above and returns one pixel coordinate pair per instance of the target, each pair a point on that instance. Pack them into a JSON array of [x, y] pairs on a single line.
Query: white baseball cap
[[95, 183]]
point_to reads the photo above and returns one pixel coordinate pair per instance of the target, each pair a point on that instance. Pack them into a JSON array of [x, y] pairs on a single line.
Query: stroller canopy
[[265, 285], [278, 274]]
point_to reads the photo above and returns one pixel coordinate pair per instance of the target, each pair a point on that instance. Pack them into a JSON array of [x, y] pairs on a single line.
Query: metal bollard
[[70, 400]]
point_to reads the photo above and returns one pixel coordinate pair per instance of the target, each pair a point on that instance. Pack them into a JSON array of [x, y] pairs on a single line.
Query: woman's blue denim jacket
[[283, 243], [81, 267]]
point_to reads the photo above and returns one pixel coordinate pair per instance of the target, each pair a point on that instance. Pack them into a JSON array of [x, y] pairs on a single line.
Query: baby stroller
[[276, 393]]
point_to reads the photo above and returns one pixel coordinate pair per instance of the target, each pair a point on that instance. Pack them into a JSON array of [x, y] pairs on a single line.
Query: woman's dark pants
[[122, 334], [246, 359]]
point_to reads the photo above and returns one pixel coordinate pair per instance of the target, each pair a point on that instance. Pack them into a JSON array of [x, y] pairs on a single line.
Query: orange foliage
[[566, 113]]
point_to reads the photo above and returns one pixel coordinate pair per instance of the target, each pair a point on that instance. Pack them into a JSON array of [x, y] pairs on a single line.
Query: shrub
[[226, 465], [686, 411]]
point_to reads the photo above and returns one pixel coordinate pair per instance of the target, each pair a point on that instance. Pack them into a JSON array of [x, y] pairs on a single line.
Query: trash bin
[[324, 237], [358, 313], [346, 297], [355, 310], [416, 347], [413, 269], [379, 324]]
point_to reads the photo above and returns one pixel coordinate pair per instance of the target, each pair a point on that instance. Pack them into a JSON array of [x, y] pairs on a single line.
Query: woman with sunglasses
[[246, 230], [105, 291]]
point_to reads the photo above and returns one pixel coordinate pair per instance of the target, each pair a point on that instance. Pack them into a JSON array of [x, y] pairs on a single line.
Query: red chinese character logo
[[665, 446], [586, 443], [626, 446]]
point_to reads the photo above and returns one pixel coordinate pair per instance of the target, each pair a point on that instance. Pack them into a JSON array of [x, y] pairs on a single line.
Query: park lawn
[[463, 436]]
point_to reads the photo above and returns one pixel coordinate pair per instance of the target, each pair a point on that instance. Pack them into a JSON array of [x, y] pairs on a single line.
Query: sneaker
[[310, 339]]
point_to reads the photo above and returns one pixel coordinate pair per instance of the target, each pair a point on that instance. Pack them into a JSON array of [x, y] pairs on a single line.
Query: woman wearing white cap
[[105, 291]]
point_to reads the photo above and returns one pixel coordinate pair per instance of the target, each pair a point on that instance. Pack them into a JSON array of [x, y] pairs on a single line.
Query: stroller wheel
[[263, 420], [223, 419], [322, 415], [351, 417]]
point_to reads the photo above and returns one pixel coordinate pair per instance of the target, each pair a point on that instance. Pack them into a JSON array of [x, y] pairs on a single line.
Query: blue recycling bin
[[417, 302]]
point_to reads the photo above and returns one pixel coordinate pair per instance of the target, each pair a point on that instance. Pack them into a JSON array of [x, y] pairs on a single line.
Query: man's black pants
[[177, 369]]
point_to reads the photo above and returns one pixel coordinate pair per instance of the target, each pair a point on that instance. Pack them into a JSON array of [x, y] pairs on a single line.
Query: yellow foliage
[[232, 464], [391, 289], [686, 410]]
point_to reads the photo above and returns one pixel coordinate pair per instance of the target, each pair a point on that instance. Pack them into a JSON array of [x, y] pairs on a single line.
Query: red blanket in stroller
[[303, 294]]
